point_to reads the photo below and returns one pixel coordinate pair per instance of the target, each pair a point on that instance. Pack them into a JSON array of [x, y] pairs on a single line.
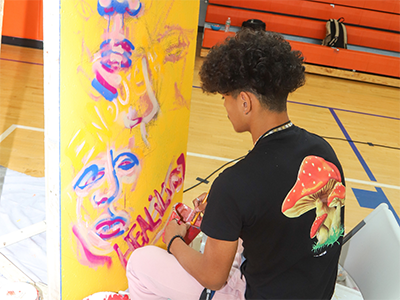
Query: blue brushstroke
[[107, 94]]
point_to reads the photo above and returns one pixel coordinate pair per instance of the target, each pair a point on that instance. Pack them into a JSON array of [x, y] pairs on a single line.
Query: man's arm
[[211, 269]]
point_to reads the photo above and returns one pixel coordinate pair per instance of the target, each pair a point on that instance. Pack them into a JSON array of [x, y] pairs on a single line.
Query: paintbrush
[[198, 213]]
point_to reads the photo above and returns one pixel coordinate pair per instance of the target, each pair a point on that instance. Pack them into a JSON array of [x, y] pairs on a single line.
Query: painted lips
[[110, 228]]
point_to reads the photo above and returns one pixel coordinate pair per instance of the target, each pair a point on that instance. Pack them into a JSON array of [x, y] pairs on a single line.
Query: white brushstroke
[[101, 119], [101, 139], [79, 148], [115, 102], [150, 92], [127, 93], [88, 156], [74, 137], [97, 126]]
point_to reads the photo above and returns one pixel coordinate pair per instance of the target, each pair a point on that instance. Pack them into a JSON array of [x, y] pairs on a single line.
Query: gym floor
[[360, 120]]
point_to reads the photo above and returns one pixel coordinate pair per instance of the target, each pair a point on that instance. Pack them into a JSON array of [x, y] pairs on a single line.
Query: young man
[[284, 199]]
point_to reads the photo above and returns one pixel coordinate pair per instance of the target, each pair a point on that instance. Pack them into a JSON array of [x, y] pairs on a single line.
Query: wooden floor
[[21, 110], [337, 109]]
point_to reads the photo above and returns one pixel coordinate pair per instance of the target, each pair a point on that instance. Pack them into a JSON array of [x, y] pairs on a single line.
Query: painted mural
[[126, 75]]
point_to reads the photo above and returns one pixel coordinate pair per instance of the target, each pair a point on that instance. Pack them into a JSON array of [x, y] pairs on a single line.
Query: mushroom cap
[[337, 196], [315, 174]]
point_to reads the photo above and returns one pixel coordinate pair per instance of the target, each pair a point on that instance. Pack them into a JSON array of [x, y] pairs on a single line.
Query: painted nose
[[102, 199], [107, 195]]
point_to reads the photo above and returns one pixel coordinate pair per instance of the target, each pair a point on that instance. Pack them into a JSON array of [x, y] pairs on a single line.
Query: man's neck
[[265, 121]]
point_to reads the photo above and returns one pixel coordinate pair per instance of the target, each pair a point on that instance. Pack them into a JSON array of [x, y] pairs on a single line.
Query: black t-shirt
[[285, 200]]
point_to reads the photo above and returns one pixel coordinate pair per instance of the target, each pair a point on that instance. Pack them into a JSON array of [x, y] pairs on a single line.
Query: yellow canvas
[[125, 78]]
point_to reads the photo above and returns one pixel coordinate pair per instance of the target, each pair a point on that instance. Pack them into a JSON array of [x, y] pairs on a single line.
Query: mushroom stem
[[335, 221], [322, 234]]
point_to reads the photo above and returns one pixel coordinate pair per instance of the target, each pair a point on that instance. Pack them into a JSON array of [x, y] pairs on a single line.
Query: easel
[[1, 18]]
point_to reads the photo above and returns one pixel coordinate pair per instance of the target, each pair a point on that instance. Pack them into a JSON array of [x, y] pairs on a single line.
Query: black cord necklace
[[273, 130]]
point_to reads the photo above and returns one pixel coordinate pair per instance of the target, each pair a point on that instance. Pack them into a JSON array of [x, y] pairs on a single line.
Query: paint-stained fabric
[[154, 274]]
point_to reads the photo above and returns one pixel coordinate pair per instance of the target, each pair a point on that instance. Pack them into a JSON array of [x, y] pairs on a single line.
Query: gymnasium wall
[[1, 15], [23, 19]]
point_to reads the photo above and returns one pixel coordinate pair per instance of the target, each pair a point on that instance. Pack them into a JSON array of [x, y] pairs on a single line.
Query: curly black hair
[[254, 61]]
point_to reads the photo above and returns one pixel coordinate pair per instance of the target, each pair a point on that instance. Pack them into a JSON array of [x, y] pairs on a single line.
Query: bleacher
[[373, 32]]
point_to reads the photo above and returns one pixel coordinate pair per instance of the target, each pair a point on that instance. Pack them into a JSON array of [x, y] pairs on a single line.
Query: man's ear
[[246, 102]]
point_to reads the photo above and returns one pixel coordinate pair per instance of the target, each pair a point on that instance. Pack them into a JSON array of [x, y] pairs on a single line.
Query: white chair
[[371, 255]]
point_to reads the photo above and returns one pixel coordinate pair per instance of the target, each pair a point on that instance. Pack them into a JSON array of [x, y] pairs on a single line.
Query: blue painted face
[[99, 187]]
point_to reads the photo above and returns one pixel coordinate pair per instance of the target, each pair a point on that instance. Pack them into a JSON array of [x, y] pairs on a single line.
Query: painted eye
[[127, 161], [126, 164], [91, 175]]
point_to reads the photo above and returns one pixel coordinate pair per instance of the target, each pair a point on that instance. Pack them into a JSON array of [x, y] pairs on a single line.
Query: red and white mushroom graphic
[[319, 185]]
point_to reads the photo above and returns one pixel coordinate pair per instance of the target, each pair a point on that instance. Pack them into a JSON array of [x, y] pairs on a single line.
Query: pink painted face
[[101, 211], [115, 50], [114, 56]]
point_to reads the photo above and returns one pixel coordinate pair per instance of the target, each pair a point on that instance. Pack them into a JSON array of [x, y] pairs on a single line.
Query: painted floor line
[[209, 156], [371, 183], [30, 128], [353, 146], [6, 133], [334, 108], [344, 110], [23, 62], [10, 129]]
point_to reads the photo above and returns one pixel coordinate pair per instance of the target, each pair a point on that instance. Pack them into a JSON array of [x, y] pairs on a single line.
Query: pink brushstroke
[[88, 258]]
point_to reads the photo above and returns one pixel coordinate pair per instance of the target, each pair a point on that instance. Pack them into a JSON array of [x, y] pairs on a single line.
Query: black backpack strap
[[341, 20], [328, 36], [336, 31]]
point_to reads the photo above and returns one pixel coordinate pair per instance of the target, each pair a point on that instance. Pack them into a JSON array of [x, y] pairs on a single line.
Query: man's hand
[[198, 204], [173, 228]]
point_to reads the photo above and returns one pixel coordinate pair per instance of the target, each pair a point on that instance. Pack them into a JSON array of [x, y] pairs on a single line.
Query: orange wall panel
[[349, 59], [23, 19], [323, 11], [392, 6], [212, 37], [279, 23]]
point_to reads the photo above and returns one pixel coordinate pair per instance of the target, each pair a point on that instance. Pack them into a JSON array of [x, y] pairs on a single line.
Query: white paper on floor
[[22, 203]]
